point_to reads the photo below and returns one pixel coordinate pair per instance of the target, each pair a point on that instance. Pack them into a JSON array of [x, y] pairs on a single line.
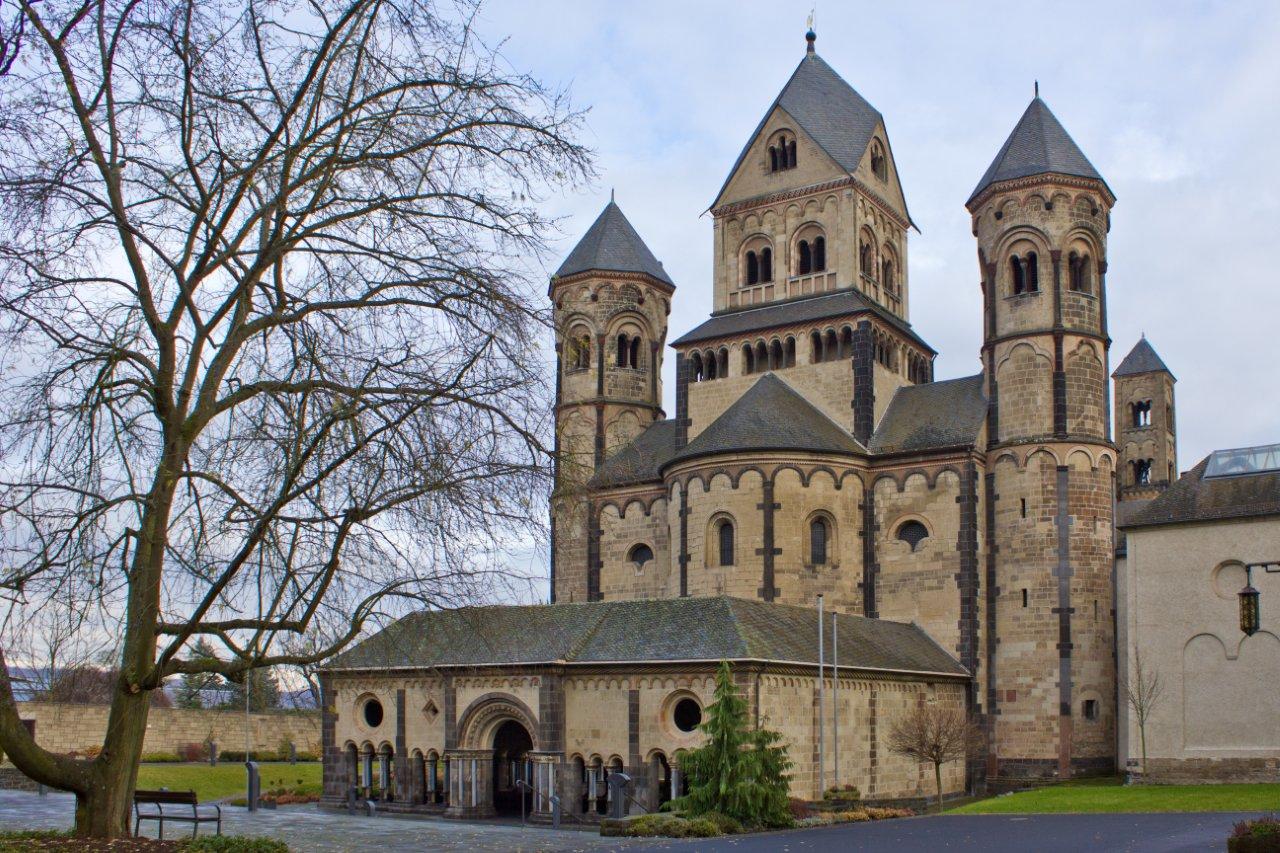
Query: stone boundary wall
[[1192, 771], [75, 728]]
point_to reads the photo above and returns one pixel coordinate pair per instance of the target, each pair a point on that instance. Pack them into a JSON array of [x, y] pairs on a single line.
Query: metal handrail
[[520, 783]]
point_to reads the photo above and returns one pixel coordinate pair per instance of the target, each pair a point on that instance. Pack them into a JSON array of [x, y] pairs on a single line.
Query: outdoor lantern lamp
[[1250, 608]]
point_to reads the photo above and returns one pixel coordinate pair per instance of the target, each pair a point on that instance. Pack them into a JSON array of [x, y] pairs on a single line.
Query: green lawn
[[1109, 795], [225, 780]]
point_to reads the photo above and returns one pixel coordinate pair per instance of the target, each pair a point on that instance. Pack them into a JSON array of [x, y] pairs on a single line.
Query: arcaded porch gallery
[[468, 711]]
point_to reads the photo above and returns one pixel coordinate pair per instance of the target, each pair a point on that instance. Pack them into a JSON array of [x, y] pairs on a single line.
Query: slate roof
[[679, 629], [1195, 497], [830, 111], [612, 244], [931, 416], [640, 461], [771, 415], [1141, 359], [804, 309], [1038, 144]]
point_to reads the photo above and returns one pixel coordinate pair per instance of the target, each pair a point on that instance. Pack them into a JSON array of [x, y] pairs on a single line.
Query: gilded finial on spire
[[810, 36], [1037, 88], [611, 199]]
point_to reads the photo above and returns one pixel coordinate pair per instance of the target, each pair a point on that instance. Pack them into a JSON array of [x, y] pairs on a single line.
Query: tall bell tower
[[1041, 214], [1145, 425], [610, 299]]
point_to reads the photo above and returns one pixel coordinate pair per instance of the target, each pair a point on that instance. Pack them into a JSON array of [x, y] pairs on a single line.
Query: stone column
[[470, 783], [545, 779]]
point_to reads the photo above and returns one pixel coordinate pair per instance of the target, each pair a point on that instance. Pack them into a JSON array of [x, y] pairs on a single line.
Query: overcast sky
[[1177, 104]]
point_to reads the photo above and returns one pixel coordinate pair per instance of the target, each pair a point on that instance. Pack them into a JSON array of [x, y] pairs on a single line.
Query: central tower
[[1041, 214]]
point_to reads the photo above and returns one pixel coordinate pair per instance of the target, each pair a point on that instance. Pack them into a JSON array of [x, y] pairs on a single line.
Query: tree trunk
[[104, 809], [937, 777], [1142, 733]]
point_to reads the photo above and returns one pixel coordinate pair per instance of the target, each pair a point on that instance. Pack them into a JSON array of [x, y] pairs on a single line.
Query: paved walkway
[[307, 829]]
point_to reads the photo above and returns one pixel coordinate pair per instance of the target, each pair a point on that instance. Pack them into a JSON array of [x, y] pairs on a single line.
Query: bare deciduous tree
[[269, 331], [935, 734], [1142, 690]]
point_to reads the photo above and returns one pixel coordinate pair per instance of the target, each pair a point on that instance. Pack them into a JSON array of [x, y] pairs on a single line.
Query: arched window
[[634, 360], [722, 362], [913, 533], [1142, 413], [846, 342], [791, 154], [639, 555], [766, 264], [709, 362], [579, 351], [818, 536], [624, 349], [1141, 472], [1019, 276], [1033, 273], [725, 535], [696, 371], [831, 348], [773, 158], [878, 167], [789, 353], [806, 258], [762, 356], [748, 360], [1077, 272], [775, 355], [753, 268], [819, 254], [815, 343], [886, 276], [867, 260]]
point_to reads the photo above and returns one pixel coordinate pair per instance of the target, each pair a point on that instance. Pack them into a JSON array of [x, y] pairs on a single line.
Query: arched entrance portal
[[511, 746]]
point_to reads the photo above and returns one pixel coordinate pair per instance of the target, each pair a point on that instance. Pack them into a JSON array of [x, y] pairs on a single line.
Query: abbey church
[[960, 533]]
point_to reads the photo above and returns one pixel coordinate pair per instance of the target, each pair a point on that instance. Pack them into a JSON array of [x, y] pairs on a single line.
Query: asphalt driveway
[[1054, 833]]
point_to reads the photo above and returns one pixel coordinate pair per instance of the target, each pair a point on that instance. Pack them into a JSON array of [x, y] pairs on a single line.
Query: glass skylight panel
[[1245, 460]]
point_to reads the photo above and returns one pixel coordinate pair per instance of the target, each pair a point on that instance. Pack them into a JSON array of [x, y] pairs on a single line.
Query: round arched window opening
[[640, 554], [913, 533], [687, 714], [372, 712]]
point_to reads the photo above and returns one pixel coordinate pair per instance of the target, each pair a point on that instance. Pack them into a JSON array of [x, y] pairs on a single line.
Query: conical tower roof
[[611, 244], [1038, 145], [1141, 359]]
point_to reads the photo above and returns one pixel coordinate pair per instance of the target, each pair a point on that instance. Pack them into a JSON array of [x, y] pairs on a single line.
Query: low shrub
[[1255, 836], [886, 813], [799, 809], [161, 758], [848, 793], [191, 752], [660, 825], [724, 824]]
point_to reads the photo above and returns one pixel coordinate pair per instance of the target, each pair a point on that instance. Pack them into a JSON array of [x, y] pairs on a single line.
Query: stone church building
[[963, 530]]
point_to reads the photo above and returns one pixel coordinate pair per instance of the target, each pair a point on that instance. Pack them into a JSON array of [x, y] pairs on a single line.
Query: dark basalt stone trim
[[654, 349], [551, 713], [863, 383], [450, 713], [594, 563], [967, 577], [870, 568], [992, 595], [684, 540], [334, 780], [682, 401], [633, 727], [401, 766], [768, 506], [599, 454], [1063, 573]]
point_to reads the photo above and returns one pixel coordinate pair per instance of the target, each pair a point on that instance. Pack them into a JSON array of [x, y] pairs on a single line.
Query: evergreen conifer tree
[[740, 771]]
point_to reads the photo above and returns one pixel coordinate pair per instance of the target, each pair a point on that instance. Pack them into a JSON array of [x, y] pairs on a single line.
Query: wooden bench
[[183, 808]]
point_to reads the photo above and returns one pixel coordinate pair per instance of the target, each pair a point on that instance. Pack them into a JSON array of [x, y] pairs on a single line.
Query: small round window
[[687, 714], [373, 713]]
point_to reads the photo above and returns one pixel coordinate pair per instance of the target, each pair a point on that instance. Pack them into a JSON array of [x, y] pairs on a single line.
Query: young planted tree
[[935, 734], [739, 771], [1143, 690], [268, 331]]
